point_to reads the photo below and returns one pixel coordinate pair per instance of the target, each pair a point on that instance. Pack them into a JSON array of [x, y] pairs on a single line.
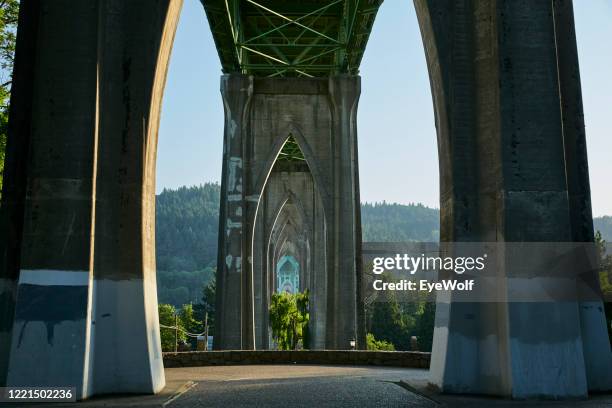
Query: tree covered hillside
[[187, 222], [187, 228], [383, 222]]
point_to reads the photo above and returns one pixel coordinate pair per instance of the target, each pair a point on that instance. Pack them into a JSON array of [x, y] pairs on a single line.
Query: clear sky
[[404, 168]]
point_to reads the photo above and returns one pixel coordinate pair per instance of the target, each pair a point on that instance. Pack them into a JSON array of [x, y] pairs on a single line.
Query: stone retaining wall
[[412, 359]]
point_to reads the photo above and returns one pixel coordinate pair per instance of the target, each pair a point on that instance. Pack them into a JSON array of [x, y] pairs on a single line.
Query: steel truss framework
[[311, 38], [291, 151]]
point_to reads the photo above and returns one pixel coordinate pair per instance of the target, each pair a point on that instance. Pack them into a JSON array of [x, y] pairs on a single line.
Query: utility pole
[[206, 332], [175, 333]]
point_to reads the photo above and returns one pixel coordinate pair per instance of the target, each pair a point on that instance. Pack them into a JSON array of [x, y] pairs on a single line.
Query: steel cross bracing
[[291, 158], [291, 151], [311, 38]]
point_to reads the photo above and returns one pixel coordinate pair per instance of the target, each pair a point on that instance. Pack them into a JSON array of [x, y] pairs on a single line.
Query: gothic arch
[[291, 130], [115, 55]]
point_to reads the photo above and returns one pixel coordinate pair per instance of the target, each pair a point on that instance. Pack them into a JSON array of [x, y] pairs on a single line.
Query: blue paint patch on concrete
[[50, 305]]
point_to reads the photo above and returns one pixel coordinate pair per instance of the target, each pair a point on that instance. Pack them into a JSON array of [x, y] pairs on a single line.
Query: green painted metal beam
[[311, 38], [290, 152]]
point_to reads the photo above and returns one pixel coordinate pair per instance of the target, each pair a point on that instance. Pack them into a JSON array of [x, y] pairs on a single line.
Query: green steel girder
[[290, 152], [312, 38]]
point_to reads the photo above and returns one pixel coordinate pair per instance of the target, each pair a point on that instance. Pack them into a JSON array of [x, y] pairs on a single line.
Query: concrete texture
[[15, 167], [513, 168], [290, 222], [578, 186], [269, 212], [83, 288]]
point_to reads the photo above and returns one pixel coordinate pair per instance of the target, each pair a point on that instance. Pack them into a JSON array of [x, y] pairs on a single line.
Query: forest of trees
[[186, 234], [187, 227], [383, 222], [187, 223]]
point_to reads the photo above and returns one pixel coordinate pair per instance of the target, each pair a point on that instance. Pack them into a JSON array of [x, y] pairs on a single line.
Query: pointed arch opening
[[289, 230]]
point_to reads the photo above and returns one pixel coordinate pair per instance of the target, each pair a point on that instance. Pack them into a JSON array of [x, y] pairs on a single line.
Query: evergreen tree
[[425, 326], [207, 305]]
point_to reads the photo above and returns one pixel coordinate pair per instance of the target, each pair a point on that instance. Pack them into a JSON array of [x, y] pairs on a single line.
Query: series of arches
[[78, 200]]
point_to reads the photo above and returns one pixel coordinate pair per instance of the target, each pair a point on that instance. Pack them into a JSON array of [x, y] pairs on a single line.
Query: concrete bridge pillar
[[506, 90], [260, 115], [594, 338], [52, 326], [82, 177], [345, 304], [235, 328]]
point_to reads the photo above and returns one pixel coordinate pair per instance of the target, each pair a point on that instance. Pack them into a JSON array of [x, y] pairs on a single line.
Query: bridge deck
[[311, 38]]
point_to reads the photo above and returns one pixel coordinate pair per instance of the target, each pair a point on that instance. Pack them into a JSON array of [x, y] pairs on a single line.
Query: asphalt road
[[330, 386], [306, 386]]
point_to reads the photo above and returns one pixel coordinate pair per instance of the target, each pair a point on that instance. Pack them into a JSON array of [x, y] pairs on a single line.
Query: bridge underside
[[290, 178], [312, 38], [77, 268]]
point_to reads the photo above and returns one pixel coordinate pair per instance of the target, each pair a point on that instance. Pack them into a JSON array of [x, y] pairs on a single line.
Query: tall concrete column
[[50, 343], [343, 303], [513, 169], [15, 168], [261, 115], [542, 337], [234, 322], [86, 307], [135, 41], [592, 317]]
